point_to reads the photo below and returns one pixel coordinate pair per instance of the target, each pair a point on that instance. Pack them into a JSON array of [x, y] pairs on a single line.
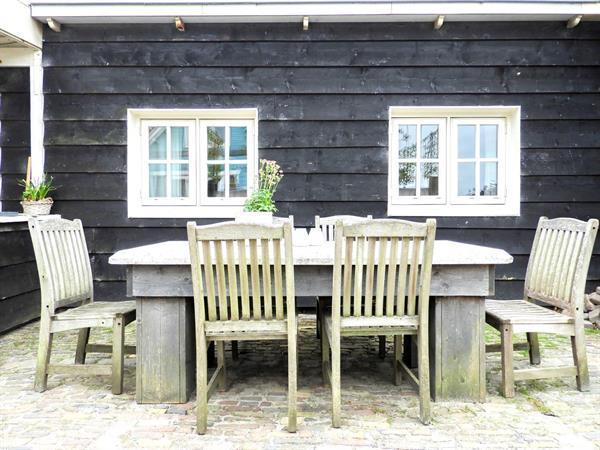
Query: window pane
[[157, 180], [407, 135], [466, 141], [238, 180], [488, 141], [407, 179], [179, 143], [429, 141], [466, 179], [157, 138], [429, 178], [180, 180], [237, 142], [489, 178], [216, 180], [216, 142]]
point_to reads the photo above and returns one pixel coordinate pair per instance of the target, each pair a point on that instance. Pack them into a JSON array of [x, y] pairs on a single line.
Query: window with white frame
[[190, 163], [461, 161]]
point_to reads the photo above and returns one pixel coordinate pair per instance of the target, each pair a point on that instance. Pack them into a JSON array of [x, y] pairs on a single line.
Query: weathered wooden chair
[[327, 227], [555, 280], [233, 303], [392, 260], [66, 280]]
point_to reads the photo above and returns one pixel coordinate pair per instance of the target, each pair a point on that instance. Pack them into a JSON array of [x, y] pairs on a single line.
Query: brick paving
[[81, 412]]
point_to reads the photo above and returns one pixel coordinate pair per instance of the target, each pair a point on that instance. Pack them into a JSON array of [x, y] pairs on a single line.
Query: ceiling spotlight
[[438, 23], [305, 23], [574, 21], [179, 24]]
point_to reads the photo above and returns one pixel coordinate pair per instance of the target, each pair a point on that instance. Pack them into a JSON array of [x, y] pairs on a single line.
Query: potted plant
[[35, 196], [260, 206]]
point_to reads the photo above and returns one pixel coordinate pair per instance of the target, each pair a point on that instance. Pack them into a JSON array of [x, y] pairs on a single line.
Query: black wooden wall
[[323, 98], [19, 287]]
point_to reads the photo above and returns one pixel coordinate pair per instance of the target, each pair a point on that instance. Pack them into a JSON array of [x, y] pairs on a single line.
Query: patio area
[[80, 412]]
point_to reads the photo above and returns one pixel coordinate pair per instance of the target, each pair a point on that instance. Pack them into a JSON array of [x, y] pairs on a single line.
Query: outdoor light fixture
[[179, 24], [438, 23], [574, 21], [305, 23], [53, 24]]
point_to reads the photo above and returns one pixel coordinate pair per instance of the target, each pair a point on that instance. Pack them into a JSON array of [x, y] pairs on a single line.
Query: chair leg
[[318, 318], [201, 384], [43, 357], [508, 374], [534, 349], [118, 355], [423, 371], [382, 343], [580, 359], [397, 359], [222, 382], [324, 356], [82, 342], [292, 381], [234, 350], [336, 395]]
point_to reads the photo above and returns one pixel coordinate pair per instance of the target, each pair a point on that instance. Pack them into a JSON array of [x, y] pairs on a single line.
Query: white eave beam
[[16, 23], [318, 10]]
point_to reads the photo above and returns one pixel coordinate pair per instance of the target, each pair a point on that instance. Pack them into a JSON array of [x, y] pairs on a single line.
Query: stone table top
[[176, 253]]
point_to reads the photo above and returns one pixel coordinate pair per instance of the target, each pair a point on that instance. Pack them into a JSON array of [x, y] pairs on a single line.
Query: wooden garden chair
[[553, 301], [65, 281], [381, 268], [327, 227], [241, 274]]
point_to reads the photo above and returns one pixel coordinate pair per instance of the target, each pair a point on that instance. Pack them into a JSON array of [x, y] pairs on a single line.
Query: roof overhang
[[153, 11], [17, 28]]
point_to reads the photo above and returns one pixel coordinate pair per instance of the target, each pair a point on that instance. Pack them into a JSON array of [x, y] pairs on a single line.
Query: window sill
[[183, 211], [472, 210]]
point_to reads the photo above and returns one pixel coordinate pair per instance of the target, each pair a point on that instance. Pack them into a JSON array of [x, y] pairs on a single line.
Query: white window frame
[[205, 199], [396, 161], [506, 203], [477, 199], [139, 205], [146, 199]]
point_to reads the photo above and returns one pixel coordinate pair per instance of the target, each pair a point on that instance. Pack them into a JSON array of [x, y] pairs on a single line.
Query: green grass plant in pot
[[260, 206], [35, 198]]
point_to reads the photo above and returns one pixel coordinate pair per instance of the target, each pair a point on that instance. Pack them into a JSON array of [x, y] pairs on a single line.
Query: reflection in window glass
[[237, 142], [466, 178], [157, 138], [238, 180], [429, 141], [429, 178], [408, 141], [158, 180], [216, 142], [216, 180], [466, 141], [179, 143], [488, 141], [407, 180], [488, 178], [180, 180]]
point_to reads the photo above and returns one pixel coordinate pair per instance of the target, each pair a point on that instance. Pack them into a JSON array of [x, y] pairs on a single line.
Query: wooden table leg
[[457, 348], [165, 350]]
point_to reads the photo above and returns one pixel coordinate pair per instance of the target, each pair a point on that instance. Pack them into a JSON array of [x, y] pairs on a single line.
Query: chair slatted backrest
[[242, 271], [382, 267], [327, 224], [559, 262], [63, 262]]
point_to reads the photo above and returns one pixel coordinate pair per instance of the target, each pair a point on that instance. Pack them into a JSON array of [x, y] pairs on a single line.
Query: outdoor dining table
[[159, 277]]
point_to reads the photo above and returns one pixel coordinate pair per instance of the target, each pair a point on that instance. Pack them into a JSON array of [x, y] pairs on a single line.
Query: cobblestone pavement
[[81, 412]]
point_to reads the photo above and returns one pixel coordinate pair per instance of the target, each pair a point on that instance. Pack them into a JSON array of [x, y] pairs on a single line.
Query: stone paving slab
[[81, 412]]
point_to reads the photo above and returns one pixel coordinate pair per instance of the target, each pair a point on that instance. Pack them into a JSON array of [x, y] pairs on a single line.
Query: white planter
[[37, 208], [255, 218]]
